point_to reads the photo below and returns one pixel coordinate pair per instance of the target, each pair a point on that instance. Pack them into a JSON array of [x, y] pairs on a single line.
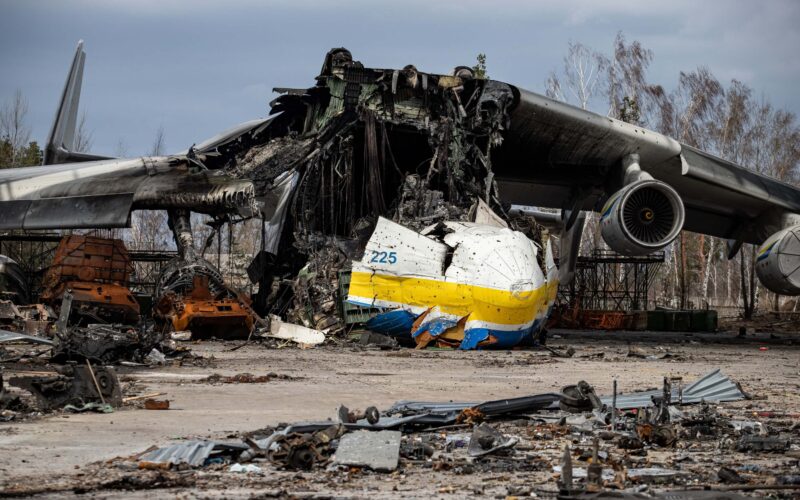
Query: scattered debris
[[486, 440], [303, 450], [246, 468], [245, 378], [762, 443]]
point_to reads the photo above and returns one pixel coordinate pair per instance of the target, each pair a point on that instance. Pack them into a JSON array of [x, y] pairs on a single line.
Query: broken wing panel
[[79, 212], [84, 195], [102, 193]]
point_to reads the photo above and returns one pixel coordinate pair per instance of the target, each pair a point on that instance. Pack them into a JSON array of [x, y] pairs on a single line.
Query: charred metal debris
[[578, 445]]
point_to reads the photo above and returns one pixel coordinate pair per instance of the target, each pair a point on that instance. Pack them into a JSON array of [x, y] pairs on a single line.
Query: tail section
[[60, 146]]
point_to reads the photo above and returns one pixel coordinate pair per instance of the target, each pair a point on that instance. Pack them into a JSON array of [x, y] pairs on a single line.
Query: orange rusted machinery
[[98, 272], [205, 315]]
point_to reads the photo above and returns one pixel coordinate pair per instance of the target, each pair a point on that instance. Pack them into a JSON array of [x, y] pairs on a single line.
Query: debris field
[[357, 420]]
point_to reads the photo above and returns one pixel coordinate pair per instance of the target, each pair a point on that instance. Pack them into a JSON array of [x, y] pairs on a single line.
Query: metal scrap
[[192, 453], [712, 387], [303, 450], [76, 385], [6, 336], [486, 440]]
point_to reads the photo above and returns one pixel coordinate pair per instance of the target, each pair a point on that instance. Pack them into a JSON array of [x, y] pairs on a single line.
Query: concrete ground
[[63, 444]]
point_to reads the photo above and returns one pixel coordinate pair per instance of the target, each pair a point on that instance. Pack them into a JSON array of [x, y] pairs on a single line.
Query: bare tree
[[158, 143], [83, 136], [630, 97], [580, 81], [12, 124], [121, 150], [552, 88], [583, 68], [582, 73]]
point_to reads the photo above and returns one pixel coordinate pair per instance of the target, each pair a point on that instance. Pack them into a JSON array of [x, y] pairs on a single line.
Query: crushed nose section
[[472, 285]]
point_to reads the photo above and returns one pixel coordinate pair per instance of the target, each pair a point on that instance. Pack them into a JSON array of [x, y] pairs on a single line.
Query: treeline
[[16, 147], [728, 119]]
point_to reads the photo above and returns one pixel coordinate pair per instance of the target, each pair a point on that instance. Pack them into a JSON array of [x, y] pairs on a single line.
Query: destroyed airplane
[[416, 149]]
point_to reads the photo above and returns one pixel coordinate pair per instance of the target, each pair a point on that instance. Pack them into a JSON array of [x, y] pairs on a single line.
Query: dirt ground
[[65, 450]]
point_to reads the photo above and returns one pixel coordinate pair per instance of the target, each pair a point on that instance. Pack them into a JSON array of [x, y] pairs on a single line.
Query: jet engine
[[642, 217], [778, 261]]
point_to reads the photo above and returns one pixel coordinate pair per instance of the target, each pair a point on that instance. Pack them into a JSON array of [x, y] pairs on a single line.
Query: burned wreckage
[[405, 184]]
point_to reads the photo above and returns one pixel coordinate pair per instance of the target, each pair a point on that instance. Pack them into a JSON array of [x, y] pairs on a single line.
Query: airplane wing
[[562, 156]]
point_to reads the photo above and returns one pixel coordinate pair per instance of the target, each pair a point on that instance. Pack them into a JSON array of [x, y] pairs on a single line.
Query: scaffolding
[[608, 281]]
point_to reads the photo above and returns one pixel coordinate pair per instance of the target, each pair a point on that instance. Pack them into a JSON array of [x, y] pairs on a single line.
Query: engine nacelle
[[642, 217], [778, 262]]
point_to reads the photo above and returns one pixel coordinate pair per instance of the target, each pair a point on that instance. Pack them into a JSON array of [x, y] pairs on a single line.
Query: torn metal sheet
[[712, 387], [275, 207], [6, 336], [375, 450], [486, 216], [193, 453], [581, 473], [491, 293]]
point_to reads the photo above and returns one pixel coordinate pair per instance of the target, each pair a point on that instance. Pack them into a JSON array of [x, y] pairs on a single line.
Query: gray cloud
[[199, 67]]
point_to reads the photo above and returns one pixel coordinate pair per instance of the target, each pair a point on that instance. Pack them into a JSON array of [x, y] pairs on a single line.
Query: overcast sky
[[199, 67]]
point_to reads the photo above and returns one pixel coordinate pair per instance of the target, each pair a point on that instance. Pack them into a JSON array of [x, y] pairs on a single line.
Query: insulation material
[[493, 291]]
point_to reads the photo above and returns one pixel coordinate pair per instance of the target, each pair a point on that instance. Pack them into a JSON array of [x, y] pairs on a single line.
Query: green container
[[669, 321], [639, 320], [655, 320], [704, 320], [682, 321]]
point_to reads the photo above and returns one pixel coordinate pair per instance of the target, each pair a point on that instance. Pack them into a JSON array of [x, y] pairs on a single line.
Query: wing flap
[[78, 212]]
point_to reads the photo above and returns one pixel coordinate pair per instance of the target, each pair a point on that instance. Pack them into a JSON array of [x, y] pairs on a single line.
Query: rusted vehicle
[[98, 272]]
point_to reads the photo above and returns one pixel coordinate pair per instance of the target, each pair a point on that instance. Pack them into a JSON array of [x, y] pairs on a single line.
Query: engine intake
[[778, 262], [642, 217]]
